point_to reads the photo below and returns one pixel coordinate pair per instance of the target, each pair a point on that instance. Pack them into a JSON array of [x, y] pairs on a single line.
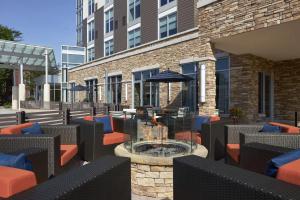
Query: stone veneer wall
[[152, 181], [164, 58], [287, 89]]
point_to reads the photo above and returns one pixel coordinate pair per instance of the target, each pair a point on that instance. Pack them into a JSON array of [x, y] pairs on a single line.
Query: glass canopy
[[33, 57]]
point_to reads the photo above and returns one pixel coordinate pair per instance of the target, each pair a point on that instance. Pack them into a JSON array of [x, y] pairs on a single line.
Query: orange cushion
[[214, 118], [290, 172], [13, 181], [233, 151], [88, 118], [15, 129], [286, 128], [67, 152], [115, 138], [186, 135]]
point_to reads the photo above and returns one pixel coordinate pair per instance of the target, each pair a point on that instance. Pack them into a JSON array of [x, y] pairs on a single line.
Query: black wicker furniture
[[198, 178], [107, 178]]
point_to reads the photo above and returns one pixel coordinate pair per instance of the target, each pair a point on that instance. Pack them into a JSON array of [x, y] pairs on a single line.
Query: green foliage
[[236, 114], [7, 105], [7, 33]]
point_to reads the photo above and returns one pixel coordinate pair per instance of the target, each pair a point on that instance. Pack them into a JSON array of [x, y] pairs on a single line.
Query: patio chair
[[237, 135], [61, 142], [198, 178], [106, 178], [92, 136]]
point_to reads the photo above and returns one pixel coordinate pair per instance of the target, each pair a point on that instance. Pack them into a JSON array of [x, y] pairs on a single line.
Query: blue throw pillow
[[106, 123], [199, 120], [17, 161], [277, 162], [270, 129], [35, 129]]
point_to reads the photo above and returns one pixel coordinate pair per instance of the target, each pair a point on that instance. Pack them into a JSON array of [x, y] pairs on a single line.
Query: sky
[[50, 23]]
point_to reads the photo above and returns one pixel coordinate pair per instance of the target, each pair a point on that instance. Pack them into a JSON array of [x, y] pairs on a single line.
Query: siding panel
[[84, 32], [99, 24], [185, 14], [149, 13], [120, 25]]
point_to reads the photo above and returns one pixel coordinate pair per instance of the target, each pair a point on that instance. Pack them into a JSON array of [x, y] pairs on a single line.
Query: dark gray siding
[[84, 32], [120, 25], [185, 14], [99, 33], [149, 12]]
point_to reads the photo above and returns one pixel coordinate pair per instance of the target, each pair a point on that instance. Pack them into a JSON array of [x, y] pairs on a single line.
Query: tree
[[6, 75]]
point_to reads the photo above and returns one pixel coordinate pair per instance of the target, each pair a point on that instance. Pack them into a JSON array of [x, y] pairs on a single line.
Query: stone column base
[[15, 98]]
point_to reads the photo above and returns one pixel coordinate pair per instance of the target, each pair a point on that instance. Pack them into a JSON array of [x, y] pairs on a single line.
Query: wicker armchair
[[52, 139], [91, 137], [198, 178], [107, 178], [38, 157]]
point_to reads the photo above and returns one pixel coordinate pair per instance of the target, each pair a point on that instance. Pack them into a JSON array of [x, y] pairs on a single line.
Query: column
[[15, 93], [22, 90], [46, 85]]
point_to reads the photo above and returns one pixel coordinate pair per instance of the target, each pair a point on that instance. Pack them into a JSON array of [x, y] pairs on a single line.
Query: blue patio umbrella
[[169, 76]]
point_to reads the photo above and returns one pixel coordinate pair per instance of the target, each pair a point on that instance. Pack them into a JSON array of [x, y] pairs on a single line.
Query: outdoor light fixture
[[202, 83]]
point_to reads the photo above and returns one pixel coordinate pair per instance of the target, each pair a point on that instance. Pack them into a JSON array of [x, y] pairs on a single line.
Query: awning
[[278, 42], [33, 57]]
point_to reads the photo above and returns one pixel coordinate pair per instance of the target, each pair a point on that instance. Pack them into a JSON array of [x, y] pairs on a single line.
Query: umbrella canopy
[[169, 76], [78, 88]]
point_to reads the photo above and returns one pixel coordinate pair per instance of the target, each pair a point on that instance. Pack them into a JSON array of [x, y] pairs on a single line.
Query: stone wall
[[164, 58], [152, 181]]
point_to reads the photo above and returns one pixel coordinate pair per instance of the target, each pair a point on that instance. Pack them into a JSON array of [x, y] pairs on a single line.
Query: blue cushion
[[17, 161], [270, 129], [34, 129], [199, 120], [277, 162], [106, 123]]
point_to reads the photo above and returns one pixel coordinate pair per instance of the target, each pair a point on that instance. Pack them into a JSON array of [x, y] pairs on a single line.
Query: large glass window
[[109, 47], [134, 38], [265, 94], [168, 25], [91, 7], [190, 89], [114, 89], [109, 20], [91, 54], [164, 2], [134, 9], [91, 28], [222, 83], [145, 93], [92, 90]]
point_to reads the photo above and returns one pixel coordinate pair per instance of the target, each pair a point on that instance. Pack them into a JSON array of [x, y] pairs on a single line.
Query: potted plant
[[236, 114]]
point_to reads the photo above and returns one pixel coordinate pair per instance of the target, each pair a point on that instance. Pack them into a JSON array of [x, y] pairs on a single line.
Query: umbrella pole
[[168, 102]]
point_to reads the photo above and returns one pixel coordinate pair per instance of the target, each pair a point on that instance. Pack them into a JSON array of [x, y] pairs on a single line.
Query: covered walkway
[[22, 57]]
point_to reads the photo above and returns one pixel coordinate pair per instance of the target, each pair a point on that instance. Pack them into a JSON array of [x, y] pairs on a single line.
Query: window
[[109, 47], [109, 20], [114, 87], [168, 25], [91, 7], [91, 54], [164, 2], [265, 97], [134, 38], [134, 9], [79, 36], [222, 83], [145, 93], [91, 28], [92, 90], [190, 89]]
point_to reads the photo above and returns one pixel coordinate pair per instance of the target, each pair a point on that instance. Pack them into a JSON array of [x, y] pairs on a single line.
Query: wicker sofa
[[237, 135], [91, 136], [51, 140], [107, 178], [198, 178]]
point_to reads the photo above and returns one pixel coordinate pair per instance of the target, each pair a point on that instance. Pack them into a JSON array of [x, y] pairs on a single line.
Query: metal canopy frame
[[12, 54]]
